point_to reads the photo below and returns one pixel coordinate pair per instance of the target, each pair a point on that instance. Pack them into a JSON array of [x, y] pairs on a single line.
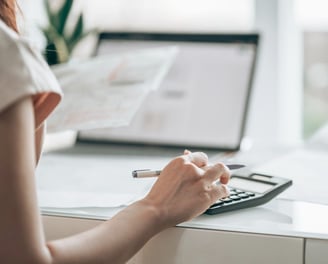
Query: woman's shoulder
[[9, 38], [20, 59], [14, 50], [23, 71], [14, 46]]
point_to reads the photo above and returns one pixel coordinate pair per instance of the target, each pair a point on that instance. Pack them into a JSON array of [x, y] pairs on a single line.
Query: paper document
[[77, 181], [307, 168], [106, 91]]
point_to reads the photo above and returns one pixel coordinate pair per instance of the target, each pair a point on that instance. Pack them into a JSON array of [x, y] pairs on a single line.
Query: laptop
[[204, 98]]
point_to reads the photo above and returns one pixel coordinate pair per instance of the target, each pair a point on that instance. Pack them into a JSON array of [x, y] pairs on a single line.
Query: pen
[[153, 173]]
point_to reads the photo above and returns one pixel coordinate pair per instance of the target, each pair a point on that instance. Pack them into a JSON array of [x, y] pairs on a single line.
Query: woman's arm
[[182, 191], [21, 239], [39, 138]]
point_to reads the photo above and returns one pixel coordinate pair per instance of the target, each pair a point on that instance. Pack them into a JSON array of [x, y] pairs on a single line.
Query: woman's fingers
[[214, 173], [186, 152], [217, 192], [200, 159], [187, 187], [218, 172]]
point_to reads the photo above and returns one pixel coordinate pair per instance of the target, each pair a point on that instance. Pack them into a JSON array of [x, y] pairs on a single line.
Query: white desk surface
[[282, 217], [279, 217]]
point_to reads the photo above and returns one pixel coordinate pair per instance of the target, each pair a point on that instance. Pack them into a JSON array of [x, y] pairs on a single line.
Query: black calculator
[[249, 191]]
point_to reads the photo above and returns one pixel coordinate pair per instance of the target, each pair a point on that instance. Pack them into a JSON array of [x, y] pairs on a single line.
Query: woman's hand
[[186, 188]]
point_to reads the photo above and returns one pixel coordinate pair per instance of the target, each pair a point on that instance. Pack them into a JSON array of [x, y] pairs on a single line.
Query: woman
[[28, 94]]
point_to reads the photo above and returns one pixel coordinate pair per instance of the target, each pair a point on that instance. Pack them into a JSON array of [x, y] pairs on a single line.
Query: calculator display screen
[[249, 185]]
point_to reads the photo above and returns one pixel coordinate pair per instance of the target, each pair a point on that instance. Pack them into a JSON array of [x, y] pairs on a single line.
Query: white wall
[[276, 110], [275, 113], [172, 15]]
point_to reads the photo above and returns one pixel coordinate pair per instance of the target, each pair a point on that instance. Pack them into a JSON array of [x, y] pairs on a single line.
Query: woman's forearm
[[114, 241], [183, 190]]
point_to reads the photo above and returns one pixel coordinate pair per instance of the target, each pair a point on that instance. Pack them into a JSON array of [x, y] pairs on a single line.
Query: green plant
[[61, 41]]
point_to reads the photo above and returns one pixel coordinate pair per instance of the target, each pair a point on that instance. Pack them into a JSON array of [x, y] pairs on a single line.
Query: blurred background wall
[[290, 95]]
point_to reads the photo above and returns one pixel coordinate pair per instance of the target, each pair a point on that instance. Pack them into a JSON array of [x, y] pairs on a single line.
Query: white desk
[[281, 231]]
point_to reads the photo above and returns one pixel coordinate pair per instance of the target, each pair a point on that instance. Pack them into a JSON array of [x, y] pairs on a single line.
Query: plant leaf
[[77, 32], [62, 49], [71, 44], [50, 33], [63, 14], [51, 54], [58, 51], [51, 15]]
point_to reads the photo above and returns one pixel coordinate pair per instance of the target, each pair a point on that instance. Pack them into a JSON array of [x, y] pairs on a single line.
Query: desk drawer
[[195, 246], [316, 251]]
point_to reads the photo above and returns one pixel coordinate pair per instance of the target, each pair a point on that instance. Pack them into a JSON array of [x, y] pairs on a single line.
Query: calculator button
[[243, 195], [239, 191], [234, 197], [250, 193], [226, 200], [217, 204], [232, 193]]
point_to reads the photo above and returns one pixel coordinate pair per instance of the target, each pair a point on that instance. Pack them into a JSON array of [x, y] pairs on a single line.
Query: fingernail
[[204, 154], [225, 190], [186, 151]]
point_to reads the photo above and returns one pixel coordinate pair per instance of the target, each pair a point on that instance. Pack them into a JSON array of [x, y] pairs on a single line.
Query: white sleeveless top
[[24, 72]]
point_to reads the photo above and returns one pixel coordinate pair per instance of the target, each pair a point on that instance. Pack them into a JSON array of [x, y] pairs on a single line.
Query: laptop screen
[[203, 99]]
